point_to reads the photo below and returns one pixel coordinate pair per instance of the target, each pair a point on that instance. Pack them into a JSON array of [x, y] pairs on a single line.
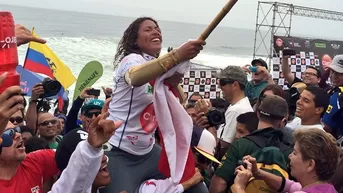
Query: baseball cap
[[67, 146], [92, 104], [204, 143], [261, 61], [274, 107], [235, 73], [337, 64], [6, 140]]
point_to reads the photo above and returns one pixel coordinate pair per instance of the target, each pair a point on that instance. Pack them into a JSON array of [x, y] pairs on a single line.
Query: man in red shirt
[[21, 173]]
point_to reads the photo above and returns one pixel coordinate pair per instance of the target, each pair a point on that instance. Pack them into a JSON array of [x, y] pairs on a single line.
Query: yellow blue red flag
[[41, 59]]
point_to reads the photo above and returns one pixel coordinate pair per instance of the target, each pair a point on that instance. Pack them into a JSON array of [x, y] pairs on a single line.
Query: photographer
[[39, 101], [31, 114], [232, 81], [260, 78], [202, 119], [311, 76]]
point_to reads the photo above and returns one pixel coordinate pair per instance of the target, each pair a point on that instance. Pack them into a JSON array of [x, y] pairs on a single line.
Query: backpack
[[270, 157]]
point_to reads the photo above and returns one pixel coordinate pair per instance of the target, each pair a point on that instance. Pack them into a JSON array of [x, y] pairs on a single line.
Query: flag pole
[[27, 51], [225, 10]]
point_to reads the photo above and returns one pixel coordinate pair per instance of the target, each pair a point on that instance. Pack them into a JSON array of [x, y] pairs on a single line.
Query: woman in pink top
[[312, 163]]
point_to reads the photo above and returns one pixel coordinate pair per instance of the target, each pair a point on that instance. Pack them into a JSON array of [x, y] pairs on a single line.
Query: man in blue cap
[[90, 111], [89, 106]]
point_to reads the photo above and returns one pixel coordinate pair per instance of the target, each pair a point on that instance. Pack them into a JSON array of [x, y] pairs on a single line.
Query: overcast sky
[[243, 14]]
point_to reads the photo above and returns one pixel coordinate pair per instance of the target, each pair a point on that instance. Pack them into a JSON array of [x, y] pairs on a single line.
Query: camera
[[215, 117], [51, 87]]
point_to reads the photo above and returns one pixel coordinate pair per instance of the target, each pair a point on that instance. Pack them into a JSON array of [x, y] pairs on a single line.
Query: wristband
[[283, 183]]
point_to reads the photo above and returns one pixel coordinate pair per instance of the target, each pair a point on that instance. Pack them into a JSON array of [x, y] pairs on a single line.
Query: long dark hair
[[127, 44]]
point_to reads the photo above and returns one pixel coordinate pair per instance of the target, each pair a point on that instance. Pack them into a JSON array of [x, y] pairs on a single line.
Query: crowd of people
[[147, 137]]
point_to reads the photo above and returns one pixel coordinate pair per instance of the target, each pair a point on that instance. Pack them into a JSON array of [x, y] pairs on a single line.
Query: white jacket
[[83, 166]]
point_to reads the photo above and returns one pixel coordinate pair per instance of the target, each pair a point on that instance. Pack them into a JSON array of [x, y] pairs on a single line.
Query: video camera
[[215, 117], [51, 87]]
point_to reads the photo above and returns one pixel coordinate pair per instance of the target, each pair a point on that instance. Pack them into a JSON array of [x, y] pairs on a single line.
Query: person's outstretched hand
[[101, 130], [107, 91], [25, 36], [11, 101], [190, 50]]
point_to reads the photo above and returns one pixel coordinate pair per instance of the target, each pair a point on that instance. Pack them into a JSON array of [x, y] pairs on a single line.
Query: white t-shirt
[[227, 131], [317, 126], [296, 124], [133, 106]]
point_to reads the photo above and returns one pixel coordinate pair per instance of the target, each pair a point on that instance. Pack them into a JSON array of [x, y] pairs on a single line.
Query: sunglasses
[[91, 114], [12, 132], [16, 119], [46, 123]]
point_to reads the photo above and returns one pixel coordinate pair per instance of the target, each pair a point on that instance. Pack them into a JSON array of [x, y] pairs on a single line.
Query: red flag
[[163, 164], [60, 103]]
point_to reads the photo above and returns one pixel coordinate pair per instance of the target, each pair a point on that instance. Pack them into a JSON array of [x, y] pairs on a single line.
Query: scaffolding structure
[[276, 18]]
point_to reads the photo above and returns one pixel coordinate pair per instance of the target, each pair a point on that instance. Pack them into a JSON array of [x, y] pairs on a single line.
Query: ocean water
[[78, 38]]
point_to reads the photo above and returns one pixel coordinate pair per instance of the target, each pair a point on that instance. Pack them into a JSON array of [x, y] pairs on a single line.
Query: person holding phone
[[92, 107], [134, 156], [259, 80], [311, 76]]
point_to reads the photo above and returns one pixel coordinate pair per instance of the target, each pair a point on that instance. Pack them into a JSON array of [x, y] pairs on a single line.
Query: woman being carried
[[134, 156]]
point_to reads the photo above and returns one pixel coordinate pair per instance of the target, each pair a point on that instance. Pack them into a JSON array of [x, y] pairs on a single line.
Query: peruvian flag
[[175, 127]]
